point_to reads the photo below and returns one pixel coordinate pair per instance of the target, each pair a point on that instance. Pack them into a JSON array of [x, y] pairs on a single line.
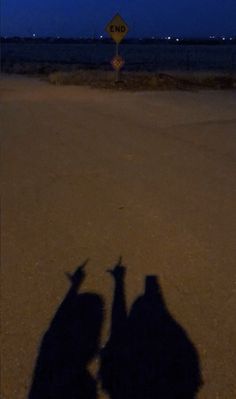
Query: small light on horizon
[[177, 40], [223, 38], [169, 37], [101, 37], [34, 34]]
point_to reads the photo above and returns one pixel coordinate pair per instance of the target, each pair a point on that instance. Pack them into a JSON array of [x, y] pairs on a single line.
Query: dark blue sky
[[144, 17]]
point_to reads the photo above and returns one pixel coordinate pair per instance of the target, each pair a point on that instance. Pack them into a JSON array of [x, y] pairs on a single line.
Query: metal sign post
[[117, 29], [117, 69]]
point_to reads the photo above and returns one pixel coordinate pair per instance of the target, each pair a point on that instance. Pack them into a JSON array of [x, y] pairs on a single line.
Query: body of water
[[149, 57]]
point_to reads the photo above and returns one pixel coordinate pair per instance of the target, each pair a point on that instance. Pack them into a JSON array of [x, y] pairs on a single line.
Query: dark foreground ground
[[99, 174]]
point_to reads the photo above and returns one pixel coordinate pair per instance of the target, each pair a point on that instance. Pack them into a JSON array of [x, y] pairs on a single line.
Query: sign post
[[117, 29], [117, 69]]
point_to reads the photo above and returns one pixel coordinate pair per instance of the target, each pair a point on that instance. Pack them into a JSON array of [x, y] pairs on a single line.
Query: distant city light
[[101, 37], [230, 38], [177, 40], [168, 37], [223, 38], [34, 34]]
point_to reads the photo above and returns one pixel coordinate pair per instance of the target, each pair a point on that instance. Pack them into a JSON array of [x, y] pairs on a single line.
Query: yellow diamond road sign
[[117, 28]]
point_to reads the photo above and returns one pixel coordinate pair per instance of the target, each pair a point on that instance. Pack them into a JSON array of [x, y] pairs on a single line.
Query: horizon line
[[104, 37]]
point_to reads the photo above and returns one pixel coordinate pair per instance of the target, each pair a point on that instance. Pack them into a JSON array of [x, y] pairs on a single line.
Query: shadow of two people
[[148, 354]]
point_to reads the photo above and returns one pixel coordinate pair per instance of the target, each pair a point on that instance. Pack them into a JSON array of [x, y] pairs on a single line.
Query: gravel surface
[[96, 174]]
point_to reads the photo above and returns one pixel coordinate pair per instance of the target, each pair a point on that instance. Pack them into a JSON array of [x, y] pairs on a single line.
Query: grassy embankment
[[145, 80], [189, 80]]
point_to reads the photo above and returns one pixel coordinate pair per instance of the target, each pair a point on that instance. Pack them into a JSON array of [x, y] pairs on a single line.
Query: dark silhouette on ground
[[70, 343], [148, 354]]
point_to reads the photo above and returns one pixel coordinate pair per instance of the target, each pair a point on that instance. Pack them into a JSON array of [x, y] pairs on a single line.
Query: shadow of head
[[155, 359]]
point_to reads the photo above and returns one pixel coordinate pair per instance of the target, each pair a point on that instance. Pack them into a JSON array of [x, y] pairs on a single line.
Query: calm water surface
[[137, 56]]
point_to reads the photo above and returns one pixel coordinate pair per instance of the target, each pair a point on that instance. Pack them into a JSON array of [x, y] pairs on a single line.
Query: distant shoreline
[[175, 40]]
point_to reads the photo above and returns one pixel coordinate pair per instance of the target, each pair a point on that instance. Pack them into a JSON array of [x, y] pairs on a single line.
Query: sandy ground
[[97, 174]]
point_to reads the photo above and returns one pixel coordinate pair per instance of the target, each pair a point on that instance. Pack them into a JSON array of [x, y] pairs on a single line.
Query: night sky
[[87, 18]]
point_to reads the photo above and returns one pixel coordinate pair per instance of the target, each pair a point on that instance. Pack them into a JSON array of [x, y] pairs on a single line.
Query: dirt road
[[99, 174]]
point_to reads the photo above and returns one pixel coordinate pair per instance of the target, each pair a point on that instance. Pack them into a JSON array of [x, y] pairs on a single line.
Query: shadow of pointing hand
[[118, 272], [79, 275]]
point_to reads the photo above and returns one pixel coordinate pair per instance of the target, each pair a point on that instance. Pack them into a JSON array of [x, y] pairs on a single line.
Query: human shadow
[[68, 346], [148, 354]]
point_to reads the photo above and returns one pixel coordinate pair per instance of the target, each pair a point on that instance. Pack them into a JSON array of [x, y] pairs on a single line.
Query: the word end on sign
[[117, 28]]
